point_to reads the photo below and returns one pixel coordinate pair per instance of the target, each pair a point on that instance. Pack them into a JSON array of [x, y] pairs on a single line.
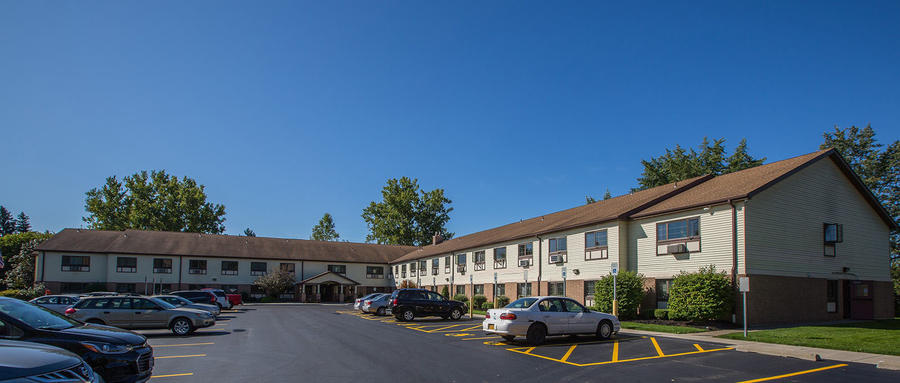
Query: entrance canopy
[[328, 277]]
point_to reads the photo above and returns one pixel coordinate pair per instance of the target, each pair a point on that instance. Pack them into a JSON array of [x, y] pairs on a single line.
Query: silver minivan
[[58, 303], [140, 313]]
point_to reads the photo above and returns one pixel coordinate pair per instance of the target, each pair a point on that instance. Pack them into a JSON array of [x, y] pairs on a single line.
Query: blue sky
[[287, 110]]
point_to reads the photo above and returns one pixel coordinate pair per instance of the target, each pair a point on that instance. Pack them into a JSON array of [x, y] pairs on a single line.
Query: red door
[[861, 305]]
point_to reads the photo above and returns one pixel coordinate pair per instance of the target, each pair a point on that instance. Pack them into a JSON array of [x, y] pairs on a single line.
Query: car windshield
[[521, 303], [36, 316], [180, 300], [162, 303]]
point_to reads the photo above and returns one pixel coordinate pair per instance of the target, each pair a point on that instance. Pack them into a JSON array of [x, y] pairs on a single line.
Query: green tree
[[11, 245], [23, 223], [249, 233], [407, 215], [629, 293], [878, 168], [324, 230], [154, 201], [21, 275], [589, 200], [445, 291], [7, 223], [607, 195], [276, 283], [680, 164]]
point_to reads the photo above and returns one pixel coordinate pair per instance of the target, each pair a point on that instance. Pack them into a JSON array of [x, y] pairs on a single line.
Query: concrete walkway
[[890, 362]]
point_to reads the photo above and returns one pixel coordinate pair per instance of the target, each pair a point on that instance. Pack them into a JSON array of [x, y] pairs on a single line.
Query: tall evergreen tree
[[7, 223], [249, 233], [324, 230], [23, 223], [680, 164], [607, 195]]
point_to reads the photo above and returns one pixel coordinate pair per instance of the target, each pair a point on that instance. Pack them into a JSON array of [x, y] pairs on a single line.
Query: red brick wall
[[884, 300], [575, 290]]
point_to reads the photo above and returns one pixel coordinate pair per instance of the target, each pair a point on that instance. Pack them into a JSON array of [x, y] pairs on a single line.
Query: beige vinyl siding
[[784, 230], [53, 262], [715, 244], [592, 269]]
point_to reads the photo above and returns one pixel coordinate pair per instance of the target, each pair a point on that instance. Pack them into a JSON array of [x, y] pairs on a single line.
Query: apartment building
[[811, 237]]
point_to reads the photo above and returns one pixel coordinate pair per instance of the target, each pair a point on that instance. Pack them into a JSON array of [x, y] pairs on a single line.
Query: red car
[[235, 299]]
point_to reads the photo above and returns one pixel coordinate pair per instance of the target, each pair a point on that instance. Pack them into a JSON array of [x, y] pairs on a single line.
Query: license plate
[[490, 326]]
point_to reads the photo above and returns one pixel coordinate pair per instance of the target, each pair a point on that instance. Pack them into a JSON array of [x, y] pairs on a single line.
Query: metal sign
[[564, 272], [470, 278], [525, 272], [495, 277], [744, 284], [614, 268]]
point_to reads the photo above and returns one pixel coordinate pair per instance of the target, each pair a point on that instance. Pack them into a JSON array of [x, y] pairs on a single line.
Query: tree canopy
[[23, 223], [407, 215], [324, 230], [680, 164], [7, 222], [249, 232], [878, 168], [154, 201]]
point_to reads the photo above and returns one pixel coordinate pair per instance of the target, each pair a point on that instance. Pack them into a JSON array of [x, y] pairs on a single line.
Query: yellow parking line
[[483, 337], [656, 346], [698, 347], [178, 356], [181, 344], [615, 357], [794, 374], [566, 357], [651, 357], [529, 350], [172, 375]]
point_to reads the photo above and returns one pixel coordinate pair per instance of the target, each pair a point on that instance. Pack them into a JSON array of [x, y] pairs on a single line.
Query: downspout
[[734, 244], [540, 264], [43, 264], [180, 268]]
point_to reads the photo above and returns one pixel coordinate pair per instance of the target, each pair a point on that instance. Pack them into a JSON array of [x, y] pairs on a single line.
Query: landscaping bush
[[461, 297], [487, 306], [478, 300], [268, 299], [24, 294], [445, 292], [661, 314], [276, 283], [704, 295], [502, 301], [629, 292]]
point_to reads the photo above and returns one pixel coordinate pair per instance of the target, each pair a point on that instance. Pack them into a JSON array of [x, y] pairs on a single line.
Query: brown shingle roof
[[733, 185], [597, 212], [226, 246]]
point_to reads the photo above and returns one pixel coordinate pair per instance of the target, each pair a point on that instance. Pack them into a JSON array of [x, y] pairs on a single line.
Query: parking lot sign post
[[744, 287], [472, 295], [495, 289], [564, 280], [614, 270]]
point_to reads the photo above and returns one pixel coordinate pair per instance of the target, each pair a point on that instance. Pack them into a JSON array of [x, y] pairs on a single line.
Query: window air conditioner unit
[[677, 248], [556, 259], [461, 268], [524, 263]]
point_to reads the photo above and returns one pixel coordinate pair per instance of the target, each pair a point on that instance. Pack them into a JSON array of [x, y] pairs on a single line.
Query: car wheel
[[380, 311], [536, 335], [455, 314], [604, 330], [509, 338], [408, 315], [182, 326]]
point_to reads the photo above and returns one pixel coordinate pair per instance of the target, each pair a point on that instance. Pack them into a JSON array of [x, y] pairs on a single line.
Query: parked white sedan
[[537, 317]]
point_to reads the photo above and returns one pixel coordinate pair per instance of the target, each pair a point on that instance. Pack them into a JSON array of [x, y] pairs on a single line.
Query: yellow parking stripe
[[529, 350], [565, 357], [794, 374], [615, 357], [656, 346], [178, 356], [653, 357], [698, 347], [181, 344], [172, 375], [483, 337]]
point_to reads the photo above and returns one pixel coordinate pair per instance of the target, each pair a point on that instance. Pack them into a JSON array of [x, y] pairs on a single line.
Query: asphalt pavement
[[332, 343]]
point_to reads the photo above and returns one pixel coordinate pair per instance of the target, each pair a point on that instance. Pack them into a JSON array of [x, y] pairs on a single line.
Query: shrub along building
[[811, 237], [76, 260]]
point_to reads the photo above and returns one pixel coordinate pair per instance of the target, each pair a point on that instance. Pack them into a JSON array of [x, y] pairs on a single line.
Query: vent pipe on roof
[[437, 238]]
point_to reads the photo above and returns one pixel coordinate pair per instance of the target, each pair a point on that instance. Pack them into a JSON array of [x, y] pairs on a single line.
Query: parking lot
[[334, 343]]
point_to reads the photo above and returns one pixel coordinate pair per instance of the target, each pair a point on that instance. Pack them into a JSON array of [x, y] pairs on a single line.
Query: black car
[[35, 362], [196, 296], [407, 304], [117, 355]]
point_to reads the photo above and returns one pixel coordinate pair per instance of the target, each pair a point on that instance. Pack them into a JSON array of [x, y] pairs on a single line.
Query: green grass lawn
[[879, 337], [481, 312], [661, 328]]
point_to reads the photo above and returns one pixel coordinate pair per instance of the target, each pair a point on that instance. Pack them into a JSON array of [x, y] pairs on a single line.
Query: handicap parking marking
[[794, 374]]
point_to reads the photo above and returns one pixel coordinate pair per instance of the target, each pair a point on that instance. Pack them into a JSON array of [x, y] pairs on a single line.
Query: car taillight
[[70, 311], [394, 302], [508, 316], [368, 302], [487, 315]]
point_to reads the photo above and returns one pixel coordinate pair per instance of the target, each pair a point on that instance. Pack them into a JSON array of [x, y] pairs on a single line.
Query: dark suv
[[407, 304], [197, 296]]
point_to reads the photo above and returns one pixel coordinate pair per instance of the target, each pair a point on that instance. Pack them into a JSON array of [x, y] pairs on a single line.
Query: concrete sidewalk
[[890, 362]]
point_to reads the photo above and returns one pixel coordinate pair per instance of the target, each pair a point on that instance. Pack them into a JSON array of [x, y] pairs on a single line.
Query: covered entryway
[[328, 287]]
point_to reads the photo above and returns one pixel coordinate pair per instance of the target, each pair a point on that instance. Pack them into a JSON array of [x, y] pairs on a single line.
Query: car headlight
[[107, 348]]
